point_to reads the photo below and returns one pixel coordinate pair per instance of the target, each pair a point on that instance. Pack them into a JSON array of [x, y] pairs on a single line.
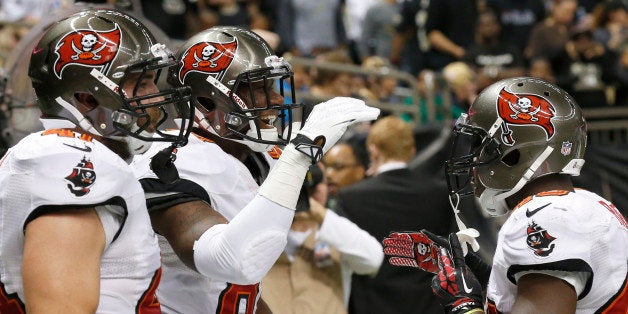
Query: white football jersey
[[60, 168], [577, 236], [230, 187]]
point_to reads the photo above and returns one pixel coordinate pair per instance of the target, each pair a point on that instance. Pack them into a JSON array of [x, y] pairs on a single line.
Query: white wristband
[[285, 179]]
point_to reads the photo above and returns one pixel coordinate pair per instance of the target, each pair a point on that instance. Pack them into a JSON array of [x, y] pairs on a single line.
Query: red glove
[[412, 249], [455, 285]]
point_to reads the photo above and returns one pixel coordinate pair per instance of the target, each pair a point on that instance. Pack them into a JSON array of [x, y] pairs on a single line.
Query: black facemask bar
[[471, 147], [179, 98], [286, 115]]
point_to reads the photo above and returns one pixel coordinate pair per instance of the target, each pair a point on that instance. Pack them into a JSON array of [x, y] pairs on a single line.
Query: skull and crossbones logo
[[523, 109], [206, 57], [88, 41]]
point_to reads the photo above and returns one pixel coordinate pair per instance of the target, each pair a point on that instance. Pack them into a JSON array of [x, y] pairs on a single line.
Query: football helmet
[[234, 75], [97, 52], [517, 130]]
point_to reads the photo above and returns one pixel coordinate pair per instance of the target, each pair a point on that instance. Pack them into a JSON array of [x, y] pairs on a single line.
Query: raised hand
[[328, 121], [455, 285], [412, 249]]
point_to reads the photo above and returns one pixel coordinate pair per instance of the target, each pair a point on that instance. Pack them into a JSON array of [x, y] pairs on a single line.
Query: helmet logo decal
[[565, 149], [87, 48], [207, 57], [81, 178], [524, 109], [539, 240]]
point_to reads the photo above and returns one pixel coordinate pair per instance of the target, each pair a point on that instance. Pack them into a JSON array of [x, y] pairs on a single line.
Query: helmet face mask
[[114, 59], [517, 130], [243, 91], [472, 148]]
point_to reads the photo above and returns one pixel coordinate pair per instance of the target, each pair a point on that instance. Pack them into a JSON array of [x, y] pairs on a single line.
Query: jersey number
[[237, 299]]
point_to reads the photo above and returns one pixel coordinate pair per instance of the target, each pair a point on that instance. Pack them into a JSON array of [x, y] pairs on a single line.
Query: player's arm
[[61, 265], [182, 224], [256, 236], [360, 250], [243, 250], [540, 293]]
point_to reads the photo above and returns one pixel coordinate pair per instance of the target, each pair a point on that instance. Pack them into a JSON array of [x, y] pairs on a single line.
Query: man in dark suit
[[396, 198]]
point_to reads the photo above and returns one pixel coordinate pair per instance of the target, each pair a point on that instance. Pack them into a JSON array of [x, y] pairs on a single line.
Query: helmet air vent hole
[[206, 103], [519, 84], [512, 158], [546, 93]]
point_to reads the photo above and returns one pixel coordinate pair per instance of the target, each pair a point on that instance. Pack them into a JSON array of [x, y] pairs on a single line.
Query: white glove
[[330, 119]]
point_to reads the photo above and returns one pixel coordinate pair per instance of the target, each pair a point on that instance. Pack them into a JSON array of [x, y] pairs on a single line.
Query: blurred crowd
[[462, 46], [580, 45]]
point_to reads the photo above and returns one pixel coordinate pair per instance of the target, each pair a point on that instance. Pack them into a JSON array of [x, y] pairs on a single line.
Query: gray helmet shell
[[94, 52], [219, 60], [526, 128]]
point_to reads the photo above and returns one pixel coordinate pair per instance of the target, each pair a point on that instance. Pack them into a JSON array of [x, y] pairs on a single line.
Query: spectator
[[379, 88], [409, 43], [309, 28], [610, 24], [549, 37], [450, 28], [313, 275], [517, 18], [461, 80], [585, 69], [354, 13], [391, 200], [541, 68], [378, 29], [332, 82], [345, 164], [492, 58]]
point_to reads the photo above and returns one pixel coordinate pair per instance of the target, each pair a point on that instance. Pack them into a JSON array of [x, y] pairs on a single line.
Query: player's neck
[[542, 184]]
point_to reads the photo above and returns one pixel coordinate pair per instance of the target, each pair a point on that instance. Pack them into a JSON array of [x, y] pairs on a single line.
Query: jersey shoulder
[[65, 167]]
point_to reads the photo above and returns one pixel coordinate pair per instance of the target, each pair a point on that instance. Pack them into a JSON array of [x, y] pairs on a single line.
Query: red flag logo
[[207, 57], [87, 48], [525, 109]]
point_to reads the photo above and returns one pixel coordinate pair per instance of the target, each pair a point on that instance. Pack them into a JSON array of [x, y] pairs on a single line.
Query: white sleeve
[[245, 249], [358, 249]]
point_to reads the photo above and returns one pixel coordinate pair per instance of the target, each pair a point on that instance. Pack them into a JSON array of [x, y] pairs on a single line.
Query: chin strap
[[466, 236]]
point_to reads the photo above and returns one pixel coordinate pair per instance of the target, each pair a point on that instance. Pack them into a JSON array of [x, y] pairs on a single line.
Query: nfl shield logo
[[566, 148]]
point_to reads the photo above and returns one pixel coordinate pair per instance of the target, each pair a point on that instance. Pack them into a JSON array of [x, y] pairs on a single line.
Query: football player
[[76, 236], [219, 230], [562, 249]]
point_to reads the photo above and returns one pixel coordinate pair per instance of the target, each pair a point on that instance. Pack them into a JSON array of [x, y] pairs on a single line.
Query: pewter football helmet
[[224, 66], [95, 52], [517, 130]]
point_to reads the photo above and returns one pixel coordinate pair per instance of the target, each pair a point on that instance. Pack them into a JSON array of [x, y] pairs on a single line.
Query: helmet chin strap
[[134, 144], [83, 122], [267, 135], [494, 201], [466, 236]]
